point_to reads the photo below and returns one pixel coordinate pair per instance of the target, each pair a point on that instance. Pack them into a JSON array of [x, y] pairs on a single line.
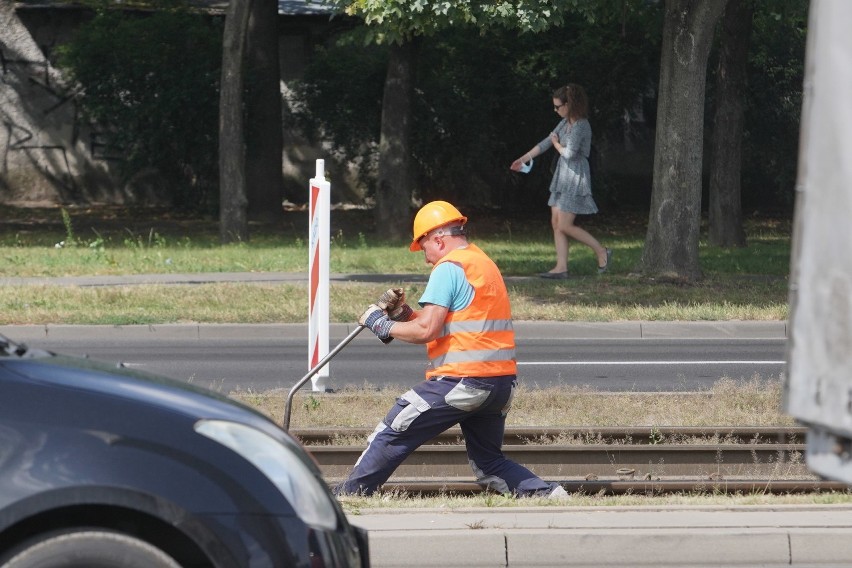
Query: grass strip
[[756, 402], [584, 299]]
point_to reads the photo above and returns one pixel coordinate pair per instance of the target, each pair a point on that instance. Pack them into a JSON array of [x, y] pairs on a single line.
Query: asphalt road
[[643, 357]]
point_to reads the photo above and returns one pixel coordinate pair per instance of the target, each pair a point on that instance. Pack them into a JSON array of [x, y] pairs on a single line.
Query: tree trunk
[[671, 243], [264, 139], [726, 213], [233, 222], [393, 194]]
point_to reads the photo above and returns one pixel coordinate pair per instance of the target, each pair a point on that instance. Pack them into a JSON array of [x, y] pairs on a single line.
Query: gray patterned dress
[[571, 187]]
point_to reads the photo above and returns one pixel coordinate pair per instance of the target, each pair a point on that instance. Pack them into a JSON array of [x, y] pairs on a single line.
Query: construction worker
[[465, 321]]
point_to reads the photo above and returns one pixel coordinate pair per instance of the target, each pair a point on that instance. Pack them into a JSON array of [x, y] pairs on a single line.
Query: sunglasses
[[556, 108]]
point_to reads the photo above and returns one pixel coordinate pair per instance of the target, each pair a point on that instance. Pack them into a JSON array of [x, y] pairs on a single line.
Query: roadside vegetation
[[740, 284], [354, 505], [755, 402]]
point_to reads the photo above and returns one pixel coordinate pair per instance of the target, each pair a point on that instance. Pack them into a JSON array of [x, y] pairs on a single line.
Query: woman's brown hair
[[575, 96]]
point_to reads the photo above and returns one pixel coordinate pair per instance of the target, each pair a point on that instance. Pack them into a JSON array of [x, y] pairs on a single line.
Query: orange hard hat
[[431, 216]]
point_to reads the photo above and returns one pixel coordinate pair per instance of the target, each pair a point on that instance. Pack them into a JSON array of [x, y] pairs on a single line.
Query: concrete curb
[[523, 329], [622, 536]]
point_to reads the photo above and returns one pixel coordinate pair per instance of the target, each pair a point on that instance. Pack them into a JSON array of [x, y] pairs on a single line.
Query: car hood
[[97, 377]]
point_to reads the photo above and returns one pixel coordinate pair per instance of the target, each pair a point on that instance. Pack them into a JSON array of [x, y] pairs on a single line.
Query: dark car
[[104, 466]]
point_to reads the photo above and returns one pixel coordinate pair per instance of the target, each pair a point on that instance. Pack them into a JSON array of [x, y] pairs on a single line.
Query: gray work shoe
[[559, 494]]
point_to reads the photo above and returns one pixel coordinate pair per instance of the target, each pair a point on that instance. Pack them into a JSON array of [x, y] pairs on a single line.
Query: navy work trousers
[[479, 406]]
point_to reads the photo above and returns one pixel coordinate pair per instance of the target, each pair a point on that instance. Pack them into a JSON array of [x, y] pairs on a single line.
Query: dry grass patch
[[401, 500], [756, 402], [727, 403]]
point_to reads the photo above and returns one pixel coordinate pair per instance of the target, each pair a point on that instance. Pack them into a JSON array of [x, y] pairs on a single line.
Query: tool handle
[[289, 404]]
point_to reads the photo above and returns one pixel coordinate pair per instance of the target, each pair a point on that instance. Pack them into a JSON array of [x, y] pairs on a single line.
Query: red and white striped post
[[318, 297]]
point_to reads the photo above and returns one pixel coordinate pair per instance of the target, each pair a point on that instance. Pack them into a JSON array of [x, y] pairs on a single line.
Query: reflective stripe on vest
[[481, 355], [477, 326], [479, 340]]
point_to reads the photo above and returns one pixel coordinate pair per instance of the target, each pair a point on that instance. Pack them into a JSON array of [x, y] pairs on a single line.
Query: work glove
[[378, 322], [393, 302]]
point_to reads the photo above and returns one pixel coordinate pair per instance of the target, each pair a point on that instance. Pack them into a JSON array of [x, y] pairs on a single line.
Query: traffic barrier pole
[[318, 281]]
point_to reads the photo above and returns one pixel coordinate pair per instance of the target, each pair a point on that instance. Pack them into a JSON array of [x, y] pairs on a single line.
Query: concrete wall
[[47, 153], [299, 36]]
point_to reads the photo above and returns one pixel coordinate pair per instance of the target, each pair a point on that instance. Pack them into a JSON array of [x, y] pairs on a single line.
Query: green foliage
[[774, 103], [395, 21], [96, 248], [484, 98], [340, 99], [70, 239], [311, 403], [481, 100], [151, 81], [153, 240], [491, 101]]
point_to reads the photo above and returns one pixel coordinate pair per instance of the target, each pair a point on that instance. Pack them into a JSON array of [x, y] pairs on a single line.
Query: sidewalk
[[204, 278], [787, 535]]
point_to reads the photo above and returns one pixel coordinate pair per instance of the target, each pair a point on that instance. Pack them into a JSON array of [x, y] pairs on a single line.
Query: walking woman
[[571, 186]]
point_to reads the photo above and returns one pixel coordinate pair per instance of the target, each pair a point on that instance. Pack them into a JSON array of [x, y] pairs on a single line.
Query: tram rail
[[604, 434], [614, 461]]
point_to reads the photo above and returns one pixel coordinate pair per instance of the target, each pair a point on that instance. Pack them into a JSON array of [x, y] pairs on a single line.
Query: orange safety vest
[[479, 340]]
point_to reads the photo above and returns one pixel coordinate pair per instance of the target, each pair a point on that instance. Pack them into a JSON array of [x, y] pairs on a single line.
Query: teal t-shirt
[[448, 287]]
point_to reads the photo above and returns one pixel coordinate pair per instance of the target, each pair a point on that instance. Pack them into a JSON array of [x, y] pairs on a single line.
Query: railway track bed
[[616, 461]]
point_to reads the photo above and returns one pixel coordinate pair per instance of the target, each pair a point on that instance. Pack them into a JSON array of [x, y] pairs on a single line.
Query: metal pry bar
[[288, 406]]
